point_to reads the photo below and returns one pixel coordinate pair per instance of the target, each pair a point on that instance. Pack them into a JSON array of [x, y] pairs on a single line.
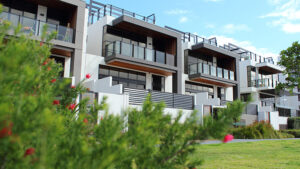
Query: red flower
[[228, 138], [53, 80], [85, 120], [88, 76], [101, 118], [29, 151], [6, 131], [48, 68], [71, 106], [41, 43], [73, 87], [45, 63], [56, 102]]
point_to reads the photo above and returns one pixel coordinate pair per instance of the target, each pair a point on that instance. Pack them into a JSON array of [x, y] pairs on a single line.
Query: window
[[191, 87], [128, 78], [284, 112]]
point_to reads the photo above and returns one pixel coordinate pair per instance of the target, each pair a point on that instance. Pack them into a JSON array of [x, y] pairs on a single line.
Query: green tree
[[290, 59], [42, 126]]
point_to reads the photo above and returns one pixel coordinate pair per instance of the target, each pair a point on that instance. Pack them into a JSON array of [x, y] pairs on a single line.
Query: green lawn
[[262, 154]]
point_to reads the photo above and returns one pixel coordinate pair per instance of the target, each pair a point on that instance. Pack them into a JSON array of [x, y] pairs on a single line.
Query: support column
[[149, 81], [67, 68]]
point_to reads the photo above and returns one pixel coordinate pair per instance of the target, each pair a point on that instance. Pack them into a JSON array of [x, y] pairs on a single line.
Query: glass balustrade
[[126, 49], [200, 70], [225, 74], [149, 55], [138, 52], [219, 72], [193, 69], [35, 27], [213, 71], [210, 70], [205, 69], [231, 75], [160, 57]]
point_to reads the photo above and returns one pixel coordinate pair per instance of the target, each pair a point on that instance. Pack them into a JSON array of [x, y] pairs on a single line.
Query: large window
[[198, 88], [130, 79], [284, 112]]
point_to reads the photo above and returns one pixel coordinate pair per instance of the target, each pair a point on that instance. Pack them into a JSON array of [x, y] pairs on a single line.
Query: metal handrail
[[96, 8]]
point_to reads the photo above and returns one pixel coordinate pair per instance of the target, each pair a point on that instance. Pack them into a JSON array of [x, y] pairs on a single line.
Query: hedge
[[294, 132], [294, 123]]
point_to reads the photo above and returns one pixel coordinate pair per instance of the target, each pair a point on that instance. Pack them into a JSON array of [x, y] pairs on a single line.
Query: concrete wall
[[95, 35], [249, 119], [276, 120]]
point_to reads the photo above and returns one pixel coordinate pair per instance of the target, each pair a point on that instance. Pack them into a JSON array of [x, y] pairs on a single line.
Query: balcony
[[211, 74], [264, 83], [154, 60], [34, 27]]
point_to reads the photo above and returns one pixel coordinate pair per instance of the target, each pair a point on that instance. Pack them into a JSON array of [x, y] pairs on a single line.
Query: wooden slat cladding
[[140, 67]]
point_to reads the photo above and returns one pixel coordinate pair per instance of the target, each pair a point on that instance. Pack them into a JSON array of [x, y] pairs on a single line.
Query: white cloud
[[246, 45], [291, 28], [177, 12], [286, 15], [232, 28], [183, 19]]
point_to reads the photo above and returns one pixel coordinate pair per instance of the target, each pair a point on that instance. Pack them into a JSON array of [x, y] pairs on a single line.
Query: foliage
[[258, 130], [294, 123], [42, 125], [294, 132], [290, 59]]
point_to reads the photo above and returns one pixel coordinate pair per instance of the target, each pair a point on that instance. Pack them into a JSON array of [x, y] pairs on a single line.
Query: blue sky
[[263, 26]]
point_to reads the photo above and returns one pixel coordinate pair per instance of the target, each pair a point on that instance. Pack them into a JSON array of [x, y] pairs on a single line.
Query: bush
[[294, 132], [258, 130], [294, 123]]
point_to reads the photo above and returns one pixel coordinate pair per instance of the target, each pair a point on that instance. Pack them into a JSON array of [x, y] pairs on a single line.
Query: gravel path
[[243, 140]]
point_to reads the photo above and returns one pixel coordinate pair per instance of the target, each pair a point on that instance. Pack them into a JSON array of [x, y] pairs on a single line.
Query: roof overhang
[[212, 49], [142, 27], [269, 68], [212, 80]]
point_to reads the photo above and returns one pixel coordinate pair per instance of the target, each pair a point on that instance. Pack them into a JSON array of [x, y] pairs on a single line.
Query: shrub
[[258, 130], [294, 132], [294, 123]]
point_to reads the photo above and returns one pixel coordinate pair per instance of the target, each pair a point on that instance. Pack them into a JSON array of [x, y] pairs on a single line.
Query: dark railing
[[98, 10], [35, 27], [171, 100], [138, 52], [263, 83], [210, 70]]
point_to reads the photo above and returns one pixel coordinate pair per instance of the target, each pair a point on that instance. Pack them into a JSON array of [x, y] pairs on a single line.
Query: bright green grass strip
[[262, 154]]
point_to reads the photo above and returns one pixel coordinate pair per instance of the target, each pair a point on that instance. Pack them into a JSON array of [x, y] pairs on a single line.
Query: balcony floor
[[212, 80], [139, 64]]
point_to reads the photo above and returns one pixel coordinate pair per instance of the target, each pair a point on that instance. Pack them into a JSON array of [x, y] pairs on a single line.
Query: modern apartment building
[[259, 78], [66, 17], [129, 57], [288, 104]]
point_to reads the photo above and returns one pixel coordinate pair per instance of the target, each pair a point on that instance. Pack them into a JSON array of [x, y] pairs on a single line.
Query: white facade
[[259, 79]]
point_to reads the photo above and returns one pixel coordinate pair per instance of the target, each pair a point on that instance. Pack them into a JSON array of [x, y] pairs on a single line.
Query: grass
[[262, 154]]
